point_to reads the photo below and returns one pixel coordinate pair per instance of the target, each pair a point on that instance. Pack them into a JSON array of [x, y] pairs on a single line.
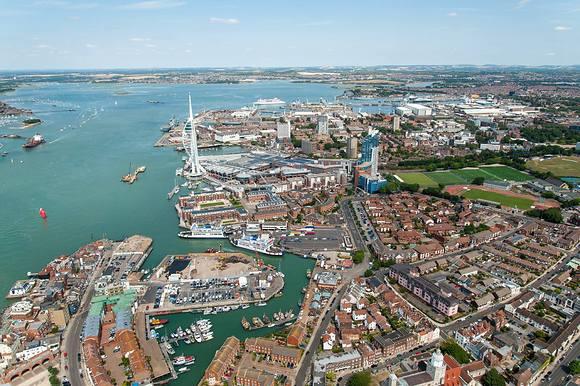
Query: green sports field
[[417, 178], [559, 166], [507, 173], [446, 178], [513, 202], [464, 176]]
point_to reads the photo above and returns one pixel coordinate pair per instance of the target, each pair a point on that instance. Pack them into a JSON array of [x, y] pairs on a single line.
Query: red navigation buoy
[[42, 213]]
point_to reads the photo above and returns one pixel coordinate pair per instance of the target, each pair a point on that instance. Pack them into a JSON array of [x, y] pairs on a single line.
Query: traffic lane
[[560, 373], [348, 216], [72, 347]]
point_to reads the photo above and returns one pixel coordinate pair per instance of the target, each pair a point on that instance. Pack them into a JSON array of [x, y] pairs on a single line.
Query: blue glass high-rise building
[[370, 142]]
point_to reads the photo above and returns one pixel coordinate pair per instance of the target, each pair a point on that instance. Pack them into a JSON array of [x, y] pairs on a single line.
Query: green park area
[[503, 199], [464, 176], [559, 166], [204, 205]]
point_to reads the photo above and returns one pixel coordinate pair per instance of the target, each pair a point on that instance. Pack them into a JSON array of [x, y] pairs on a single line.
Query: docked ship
[[203, 232], [269, 102], [183, 360], [263, 243], [33, 141], [159, 322], [171, 125]]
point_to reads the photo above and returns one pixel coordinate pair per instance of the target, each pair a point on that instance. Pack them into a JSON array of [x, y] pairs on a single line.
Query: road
[[351, 225], [308, 356], [71, 343], [559, 374], [347, 276], [72, 346]]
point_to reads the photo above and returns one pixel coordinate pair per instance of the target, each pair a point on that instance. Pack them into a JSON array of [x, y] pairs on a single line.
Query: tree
[[492, 378], [358, 257], [478, 180], [362, 378], [413, 188], [551, 215], [368, 273], [574, 367], [451, 347], [53, 378], [330, 376]]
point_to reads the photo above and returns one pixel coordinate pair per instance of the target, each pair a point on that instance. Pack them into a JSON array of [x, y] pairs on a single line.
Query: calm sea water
[[75, 178]]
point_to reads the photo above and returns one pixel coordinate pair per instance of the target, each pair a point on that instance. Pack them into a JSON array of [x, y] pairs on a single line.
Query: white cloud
[[562, 28], [153, 4], [550, 54], [452, 14], [42, 46], [151, 45], [522, 3], [139, 40], [90, 45], [221, 20]]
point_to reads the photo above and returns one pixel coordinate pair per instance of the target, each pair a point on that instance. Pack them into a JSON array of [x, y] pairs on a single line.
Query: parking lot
[[318, 239], [121, 266], [203, 291]]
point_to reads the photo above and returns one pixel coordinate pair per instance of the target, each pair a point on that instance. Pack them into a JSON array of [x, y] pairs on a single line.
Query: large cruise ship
[[269, 102], [203, 232], [263, 243]]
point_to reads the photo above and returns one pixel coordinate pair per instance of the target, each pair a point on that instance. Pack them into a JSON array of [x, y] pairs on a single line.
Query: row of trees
[[551, 215], [514, 158]]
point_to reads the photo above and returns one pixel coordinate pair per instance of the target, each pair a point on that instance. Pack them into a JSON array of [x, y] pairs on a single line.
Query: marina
[[278, 319]]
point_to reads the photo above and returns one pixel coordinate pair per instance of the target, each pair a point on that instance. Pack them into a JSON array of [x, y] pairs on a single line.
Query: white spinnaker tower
[[189, 139]]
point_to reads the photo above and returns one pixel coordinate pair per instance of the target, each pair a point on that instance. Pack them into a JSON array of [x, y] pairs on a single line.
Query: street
[[559, 373]]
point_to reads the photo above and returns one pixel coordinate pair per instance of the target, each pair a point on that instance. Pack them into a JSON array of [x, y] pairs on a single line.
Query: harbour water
[[75, 177]]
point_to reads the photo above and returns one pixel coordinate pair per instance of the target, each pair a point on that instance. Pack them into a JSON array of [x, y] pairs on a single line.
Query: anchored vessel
[[33, 141]]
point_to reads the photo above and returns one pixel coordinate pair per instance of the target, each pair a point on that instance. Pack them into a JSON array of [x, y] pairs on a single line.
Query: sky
[[109, 34]]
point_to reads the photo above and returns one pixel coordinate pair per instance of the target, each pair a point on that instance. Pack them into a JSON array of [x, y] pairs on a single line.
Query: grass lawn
[[559, 166], [446, 178], [210, 204], [470, 174], [514, 202], [507, 173], [417, 178]]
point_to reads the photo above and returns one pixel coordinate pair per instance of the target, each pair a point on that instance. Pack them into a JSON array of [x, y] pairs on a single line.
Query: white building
[[283, 129], [396, 123], [322, 124], [26, 355], [225, 138], [419, 110]]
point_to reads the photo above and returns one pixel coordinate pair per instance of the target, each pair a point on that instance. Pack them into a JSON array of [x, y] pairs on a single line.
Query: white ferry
[[263, 243], [203, 232], [269, 102]]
